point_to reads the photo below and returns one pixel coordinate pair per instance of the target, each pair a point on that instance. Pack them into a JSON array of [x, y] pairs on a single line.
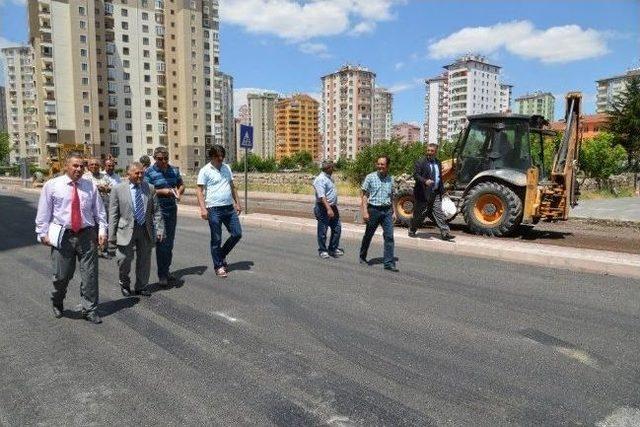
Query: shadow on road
[[528, 232], [111, 307], [379, 260], [240, 266], [18, 228]]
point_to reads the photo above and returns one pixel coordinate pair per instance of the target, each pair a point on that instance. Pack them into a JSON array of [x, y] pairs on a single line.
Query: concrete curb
[[582, 260]]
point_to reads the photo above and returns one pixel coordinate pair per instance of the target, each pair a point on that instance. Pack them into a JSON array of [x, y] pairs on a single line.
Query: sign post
[[246, 142]]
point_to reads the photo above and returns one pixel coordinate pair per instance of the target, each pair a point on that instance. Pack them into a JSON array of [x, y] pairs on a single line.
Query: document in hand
[[55, 234]]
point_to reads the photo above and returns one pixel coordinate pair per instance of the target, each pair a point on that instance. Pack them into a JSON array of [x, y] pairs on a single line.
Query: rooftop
[[629, 73]]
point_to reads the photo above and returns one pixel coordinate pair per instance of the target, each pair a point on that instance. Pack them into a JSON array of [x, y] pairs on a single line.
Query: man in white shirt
[[219, 204]]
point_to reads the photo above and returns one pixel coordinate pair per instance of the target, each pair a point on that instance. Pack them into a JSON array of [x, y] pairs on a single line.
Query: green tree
[[287, 163], [601, 157], [447, 147], [624, 122], [302, 159], [402, 158], [5, 147]]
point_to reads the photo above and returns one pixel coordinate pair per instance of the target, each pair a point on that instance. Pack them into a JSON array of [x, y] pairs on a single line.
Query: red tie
[[76, 216]]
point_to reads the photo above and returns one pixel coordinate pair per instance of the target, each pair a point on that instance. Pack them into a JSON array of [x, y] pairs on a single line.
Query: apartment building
[[21, 104], [541, 103], [262, 110], [436, 109], [3, 109], [224, 123], [297, 126], [609, 88], [406, 133], [347, 111], [126, 76], [505, 98], [382, 115]]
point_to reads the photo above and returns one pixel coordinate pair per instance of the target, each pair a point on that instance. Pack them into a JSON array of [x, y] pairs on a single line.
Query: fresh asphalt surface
[[289, 339]]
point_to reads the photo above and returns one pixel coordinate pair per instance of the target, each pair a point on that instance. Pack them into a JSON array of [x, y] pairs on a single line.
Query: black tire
[[492, 209], [404, 203]]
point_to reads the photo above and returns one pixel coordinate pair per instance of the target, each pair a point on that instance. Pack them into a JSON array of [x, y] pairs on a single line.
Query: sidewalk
[[583, 260]]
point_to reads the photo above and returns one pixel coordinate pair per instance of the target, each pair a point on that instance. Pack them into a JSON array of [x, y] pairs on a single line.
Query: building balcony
[[160, 67], [162, 128], [159, 4], [160, 30]]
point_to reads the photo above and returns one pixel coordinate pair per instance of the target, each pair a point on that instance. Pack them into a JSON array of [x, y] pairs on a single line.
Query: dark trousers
[[164, 249], [324, 223], [379, 215], [82, 247], [431, 208], [228, 216]]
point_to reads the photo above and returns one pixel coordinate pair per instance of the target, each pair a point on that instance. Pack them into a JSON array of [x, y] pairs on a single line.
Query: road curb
[[575, 259]]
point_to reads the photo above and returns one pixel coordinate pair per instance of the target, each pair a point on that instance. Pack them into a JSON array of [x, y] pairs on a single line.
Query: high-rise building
[[610, 87], [21, 104], [382, 115], [224, 123], [3, 110], [505, 98], [539, 103], [347, 110], [436, 109], [406, 133], [472, 87], [127, 76], [262, 111], [297, 127]]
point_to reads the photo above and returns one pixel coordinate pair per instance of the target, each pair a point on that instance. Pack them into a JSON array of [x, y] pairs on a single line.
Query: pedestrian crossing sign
[[246, 136]]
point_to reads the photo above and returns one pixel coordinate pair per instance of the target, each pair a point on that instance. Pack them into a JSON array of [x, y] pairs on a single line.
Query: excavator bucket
[[562, 193]]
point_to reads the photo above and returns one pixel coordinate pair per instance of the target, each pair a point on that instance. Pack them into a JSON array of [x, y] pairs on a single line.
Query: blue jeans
[[164, 249], [324, 223], [379, 215], [228, 216]]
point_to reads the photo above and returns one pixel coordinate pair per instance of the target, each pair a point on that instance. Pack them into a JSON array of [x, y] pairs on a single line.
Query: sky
[[286, 46]]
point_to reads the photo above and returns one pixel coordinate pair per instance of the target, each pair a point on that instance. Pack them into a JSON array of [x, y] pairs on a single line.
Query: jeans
[[228, 216], [324, 222], [379, 215], [164, 249]]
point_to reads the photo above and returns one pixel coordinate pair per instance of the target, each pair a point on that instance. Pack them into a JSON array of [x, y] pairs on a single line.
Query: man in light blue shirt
[[219, 204], [326, 212]]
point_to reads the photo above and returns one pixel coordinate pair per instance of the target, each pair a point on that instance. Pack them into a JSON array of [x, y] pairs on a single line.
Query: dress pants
[[82, 247], [432, 208], [141, 247]]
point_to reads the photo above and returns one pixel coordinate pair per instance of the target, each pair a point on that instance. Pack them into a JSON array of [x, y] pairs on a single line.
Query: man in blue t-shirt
[[219, 204], [169, 188]]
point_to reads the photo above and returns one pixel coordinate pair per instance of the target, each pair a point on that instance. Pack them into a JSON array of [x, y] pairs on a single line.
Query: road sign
[[246, 136]]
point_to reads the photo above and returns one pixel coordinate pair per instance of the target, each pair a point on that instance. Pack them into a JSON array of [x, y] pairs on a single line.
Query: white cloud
[[316, 95], [317, 49], [398, 65], [554, 45], [366, 27], [298, 20]]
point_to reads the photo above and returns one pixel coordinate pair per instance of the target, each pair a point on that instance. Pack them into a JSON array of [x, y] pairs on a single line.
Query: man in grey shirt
[[326, 212]]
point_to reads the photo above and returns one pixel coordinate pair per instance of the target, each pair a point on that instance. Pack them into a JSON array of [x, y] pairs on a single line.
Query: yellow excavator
[[56, 159], [497, 177]]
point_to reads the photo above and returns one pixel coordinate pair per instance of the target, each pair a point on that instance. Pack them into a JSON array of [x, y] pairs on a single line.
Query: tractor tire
[[492, 209], [404, 203]]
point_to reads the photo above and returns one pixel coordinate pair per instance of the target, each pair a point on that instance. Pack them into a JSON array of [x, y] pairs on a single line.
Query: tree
[[5, 147], [601, 157], [447, 147], [624, 122], [402, 158]]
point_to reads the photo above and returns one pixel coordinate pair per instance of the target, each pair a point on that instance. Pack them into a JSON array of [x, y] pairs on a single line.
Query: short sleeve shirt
[[169, 178], [325, 187], [217, 185], [379, 189]]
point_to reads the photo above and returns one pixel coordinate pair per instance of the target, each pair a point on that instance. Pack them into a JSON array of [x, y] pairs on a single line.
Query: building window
[[85, 109], [125, 51], [87, 123], [83, 39], [126, 76], [84, 66], [145, 41], [127, 114], [147, 78], [85, 81], [125, 38], [124, 12], [125, 25], [127, 89], [83, 52], [145, 28], [147, 115], [83, 24], [147, 91], [149, 128], [115, 151], [129, 151], [145, 16], [145, 53], [127, 101], [82, 11], [85, 95], [129, 139], [128, 126], [125, 63]]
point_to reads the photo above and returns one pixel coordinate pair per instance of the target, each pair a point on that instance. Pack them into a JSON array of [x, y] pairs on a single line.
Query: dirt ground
[[575, 233]]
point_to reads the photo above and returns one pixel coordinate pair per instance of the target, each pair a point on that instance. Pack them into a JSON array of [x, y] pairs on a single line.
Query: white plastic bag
[[449, 208]]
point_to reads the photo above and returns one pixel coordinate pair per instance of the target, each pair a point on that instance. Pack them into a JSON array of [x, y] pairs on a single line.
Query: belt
[[70, 231], [378, 206]]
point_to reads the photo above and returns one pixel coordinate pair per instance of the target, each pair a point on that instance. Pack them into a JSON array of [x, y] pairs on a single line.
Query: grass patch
[[344, 188], [606, 193]]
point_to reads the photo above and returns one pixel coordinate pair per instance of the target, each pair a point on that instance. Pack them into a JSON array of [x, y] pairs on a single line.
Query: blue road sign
[[246, 136]]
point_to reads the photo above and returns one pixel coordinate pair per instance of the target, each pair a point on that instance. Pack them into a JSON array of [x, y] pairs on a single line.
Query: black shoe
[[142, 292], [447, 237], [126, 291], [412, 234], [57, 311], [391, 268], [363, 261], [92, 316]]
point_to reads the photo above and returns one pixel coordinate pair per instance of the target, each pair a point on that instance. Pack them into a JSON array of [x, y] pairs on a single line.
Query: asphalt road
[[289, 339]]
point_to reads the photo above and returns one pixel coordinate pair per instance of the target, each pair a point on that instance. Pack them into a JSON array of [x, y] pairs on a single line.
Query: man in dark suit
[[428, 192], [135, 223]]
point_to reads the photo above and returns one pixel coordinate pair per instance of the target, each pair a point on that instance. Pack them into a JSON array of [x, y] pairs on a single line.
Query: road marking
[[621, 417], [563, 347], [339, 421], [226, 316]]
